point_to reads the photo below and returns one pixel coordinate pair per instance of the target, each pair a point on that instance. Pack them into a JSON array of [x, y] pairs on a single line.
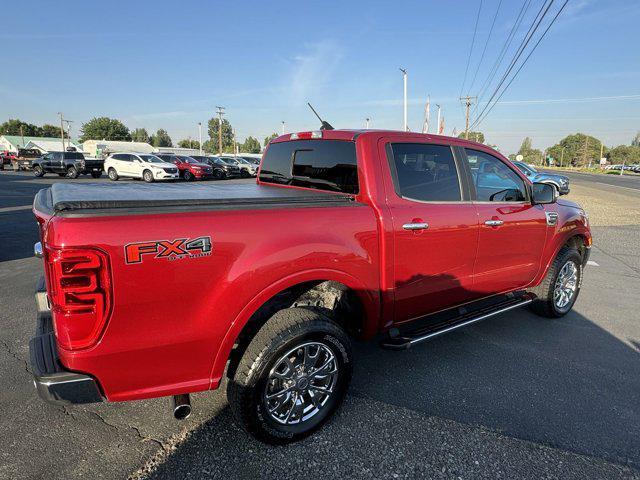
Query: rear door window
[[321, 164], [426, 173]]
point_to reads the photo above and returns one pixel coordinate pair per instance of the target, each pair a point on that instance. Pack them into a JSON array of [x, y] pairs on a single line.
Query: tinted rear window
[[322, 164], [74, 156]]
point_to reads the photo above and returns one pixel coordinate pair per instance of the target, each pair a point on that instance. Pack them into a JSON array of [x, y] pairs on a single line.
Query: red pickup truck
[[345, 234]]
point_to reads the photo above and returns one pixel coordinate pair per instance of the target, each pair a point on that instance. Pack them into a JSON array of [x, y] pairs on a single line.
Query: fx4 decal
[[177, 249]]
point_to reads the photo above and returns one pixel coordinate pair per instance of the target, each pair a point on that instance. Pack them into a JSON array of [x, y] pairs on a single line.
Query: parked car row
[[626, 168], [148, 167]]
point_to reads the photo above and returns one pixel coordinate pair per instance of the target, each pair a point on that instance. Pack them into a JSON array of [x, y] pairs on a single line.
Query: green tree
[[529, 154], [48, 130], [636, 140], [628, 154], [269, 138], [161, 139], [227, 135], [18, 127], [188, 143], [579, 150], [104, 128], [250, 145], [474, 136], [140, 135]]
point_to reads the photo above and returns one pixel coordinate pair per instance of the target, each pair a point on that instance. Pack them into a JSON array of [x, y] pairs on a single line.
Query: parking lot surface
[[516, 396]]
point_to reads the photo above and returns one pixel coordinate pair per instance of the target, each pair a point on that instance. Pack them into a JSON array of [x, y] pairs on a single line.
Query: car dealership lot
[[516, 396]]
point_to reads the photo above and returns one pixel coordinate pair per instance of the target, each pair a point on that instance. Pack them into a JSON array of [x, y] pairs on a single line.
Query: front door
[[512, 231], [435, 228]]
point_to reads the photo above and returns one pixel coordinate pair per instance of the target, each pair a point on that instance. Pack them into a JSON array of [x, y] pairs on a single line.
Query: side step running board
[[404, 341]]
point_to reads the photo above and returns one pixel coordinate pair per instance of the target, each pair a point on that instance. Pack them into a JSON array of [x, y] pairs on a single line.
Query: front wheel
[[292, 377], [72, 172], [147, 176], [188, 176], [38, 171], [559, 290]]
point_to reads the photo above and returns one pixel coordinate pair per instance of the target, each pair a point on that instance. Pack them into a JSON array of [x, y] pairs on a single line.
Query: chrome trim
[[494, 223], [415, 226], [37, 249], [552, 218], [469, 322]]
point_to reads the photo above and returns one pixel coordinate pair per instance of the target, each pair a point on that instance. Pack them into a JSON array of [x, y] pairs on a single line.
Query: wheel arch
[[337, 294]]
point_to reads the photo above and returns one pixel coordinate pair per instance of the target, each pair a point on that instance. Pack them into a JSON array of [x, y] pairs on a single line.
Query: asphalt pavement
[[516, 396]]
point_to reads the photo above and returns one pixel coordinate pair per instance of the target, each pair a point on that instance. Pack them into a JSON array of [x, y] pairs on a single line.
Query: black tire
[[147, 176], [545, 304], [96, 174], [72, 172], [218, 174], [112, 174], [284, 332], [38, 171], [188, 176]]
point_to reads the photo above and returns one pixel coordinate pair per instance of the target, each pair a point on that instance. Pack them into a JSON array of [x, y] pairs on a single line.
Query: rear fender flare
[[370, 302]]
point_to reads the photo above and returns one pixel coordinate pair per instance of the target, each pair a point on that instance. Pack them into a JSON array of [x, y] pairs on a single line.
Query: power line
[[523, 45], [484, 49], [503, 51], [473, 41], [477, 122]]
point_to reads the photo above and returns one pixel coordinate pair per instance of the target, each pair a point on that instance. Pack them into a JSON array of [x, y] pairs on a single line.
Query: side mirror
[[544, 193]]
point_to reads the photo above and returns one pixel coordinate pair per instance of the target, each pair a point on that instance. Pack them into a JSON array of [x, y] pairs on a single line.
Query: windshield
[[190, 160], [524, 168], [151, 159], [231, 161]]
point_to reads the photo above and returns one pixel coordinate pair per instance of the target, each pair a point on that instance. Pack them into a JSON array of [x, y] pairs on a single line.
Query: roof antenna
[[325, 125]]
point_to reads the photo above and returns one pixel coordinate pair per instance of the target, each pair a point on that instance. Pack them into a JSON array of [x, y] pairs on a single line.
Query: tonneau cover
[[75, 197]]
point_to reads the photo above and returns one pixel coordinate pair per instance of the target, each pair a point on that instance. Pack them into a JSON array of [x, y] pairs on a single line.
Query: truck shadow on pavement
[[564, 383]]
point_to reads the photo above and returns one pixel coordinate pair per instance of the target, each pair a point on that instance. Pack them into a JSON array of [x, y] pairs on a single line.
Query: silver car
[[560, 182]]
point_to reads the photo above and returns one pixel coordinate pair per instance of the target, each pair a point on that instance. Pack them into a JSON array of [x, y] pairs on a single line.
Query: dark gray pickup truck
[[67, 164]]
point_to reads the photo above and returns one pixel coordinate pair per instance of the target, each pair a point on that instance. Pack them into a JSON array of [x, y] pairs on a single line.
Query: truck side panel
[[171, 314]]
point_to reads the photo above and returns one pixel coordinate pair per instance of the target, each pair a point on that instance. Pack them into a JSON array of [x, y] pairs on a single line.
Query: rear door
[[435, 227], [512, 231], [57, 162]]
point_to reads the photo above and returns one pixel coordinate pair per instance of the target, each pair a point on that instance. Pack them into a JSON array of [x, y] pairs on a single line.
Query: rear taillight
[[80, 293]]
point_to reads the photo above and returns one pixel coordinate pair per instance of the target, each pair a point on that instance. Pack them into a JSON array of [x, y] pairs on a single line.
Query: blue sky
[[168, 64]]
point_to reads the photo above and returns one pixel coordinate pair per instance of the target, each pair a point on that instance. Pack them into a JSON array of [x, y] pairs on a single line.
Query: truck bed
[[99, 199]]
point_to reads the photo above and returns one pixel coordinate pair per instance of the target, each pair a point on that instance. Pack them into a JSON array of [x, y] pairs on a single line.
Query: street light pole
[[438, 124], [404, 81], [366, 124], [200, 136], [220, 112], [282, 127], [61, 130]]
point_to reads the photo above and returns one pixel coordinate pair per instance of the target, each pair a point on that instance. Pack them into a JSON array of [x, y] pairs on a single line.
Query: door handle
[[415, 226], [494, 223]]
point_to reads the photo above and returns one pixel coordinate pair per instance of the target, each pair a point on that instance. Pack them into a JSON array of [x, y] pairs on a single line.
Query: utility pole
[[282, 127], [235, 144], [200, 136], [61, 130], [561, 156], [438, 124], [22, 135], [586, 150], [468, 101], [68, 122], [366, 122], [601, 154], [220, 112], [404, 81]]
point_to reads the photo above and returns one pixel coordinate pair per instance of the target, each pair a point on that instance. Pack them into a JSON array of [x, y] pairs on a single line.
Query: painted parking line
[[593, 264], [15, 209]]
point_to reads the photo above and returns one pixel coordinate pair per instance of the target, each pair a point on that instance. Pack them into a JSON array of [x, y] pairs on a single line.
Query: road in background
[[516, 396], [625, 180]]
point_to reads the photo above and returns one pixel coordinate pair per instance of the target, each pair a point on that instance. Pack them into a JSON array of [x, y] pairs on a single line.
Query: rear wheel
[[292, 377], [559, 290], [113, 175], [72, 172], [38, 171], [147, 176]]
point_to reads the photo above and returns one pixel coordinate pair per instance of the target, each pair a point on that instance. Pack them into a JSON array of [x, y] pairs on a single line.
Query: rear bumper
[[53, 382]]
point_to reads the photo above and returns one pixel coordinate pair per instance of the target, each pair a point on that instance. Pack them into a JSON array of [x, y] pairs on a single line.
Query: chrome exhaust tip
[[181, 406]]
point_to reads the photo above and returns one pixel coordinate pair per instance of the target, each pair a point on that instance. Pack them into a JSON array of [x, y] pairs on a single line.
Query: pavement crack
[[16, 356], [139, 434]]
